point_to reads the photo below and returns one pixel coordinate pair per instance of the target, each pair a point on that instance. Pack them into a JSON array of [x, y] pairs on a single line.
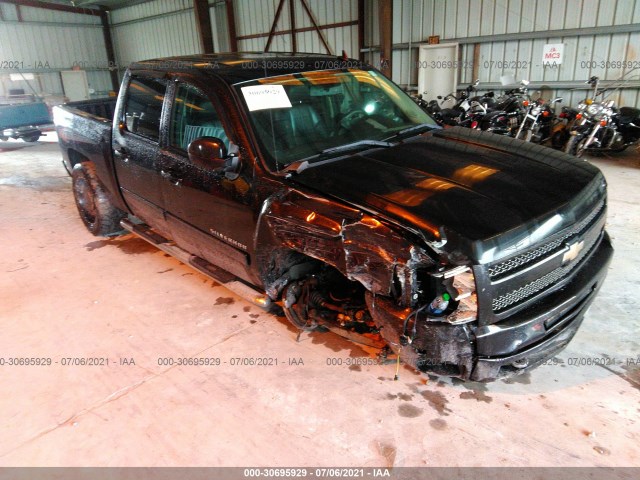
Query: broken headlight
[[457, 287]]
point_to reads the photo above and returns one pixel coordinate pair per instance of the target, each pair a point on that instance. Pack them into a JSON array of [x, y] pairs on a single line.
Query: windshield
[[301, 115]]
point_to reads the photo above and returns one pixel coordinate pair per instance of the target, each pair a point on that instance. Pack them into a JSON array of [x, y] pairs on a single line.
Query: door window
[[194, 116], [143, 107]]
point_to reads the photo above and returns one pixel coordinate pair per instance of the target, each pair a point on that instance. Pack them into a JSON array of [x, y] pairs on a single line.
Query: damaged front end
[[371, 284], [379, 284], [429, 335]]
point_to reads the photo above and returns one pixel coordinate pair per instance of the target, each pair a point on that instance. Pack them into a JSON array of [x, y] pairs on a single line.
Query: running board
[[224, 278]]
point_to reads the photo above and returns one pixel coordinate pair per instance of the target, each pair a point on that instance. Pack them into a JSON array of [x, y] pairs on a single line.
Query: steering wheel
[[352, 118]]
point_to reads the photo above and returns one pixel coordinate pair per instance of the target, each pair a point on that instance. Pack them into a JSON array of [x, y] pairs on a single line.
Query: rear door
[[136, 147], [208, 213]]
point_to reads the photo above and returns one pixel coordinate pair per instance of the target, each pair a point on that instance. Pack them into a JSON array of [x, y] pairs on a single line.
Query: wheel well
[[76, 157]]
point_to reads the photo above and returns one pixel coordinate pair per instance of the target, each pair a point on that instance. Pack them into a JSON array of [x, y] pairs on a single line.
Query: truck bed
[[84, 134], [101, 108]]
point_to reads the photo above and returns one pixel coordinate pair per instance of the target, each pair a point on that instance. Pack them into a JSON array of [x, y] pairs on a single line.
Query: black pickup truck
[[315, 184]]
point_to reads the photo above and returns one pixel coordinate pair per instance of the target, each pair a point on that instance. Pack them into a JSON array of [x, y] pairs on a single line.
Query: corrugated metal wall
[[154, 29], [591, 54], [253, 17], [47, 41], [167, 27], [163, 28]]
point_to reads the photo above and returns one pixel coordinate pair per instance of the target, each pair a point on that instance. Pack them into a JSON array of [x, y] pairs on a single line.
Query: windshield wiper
[[360, 144], [414, 130], [300, 165]]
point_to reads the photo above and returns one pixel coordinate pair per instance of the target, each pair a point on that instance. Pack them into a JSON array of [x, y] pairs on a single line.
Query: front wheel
[[97, 212], [571, 146], [525, 135]]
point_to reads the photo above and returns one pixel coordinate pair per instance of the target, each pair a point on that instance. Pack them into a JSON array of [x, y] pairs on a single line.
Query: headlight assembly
[[460, 284]]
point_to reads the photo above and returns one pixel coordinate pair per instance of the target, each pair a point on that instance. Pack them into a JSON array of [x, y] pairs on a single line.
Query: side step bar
[[224, 278]]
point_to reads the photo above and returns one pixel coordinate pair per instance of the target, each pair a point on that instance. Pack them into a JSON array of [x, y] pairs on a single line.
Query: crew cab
[[315, 184]]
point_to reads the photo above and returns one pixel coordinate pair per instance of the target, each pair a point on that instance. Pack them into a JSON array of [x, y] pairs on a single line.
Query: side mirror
[[208, 152], [557, 100]]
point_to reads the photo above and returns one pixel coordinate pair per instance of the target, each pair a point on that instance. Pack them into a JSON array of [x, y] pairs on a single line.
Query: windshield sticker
[[264, 97]]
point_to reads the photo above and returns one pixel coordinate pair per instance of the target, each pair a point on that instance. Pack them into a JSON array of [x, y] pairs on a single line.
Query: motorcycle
[[456, 108], [509, 111], [537, 124], [601, 127], [562, 127]]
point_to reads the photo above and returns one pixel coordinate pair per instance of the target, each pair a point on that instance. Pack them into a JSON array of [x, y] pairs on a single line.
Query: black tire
[[31, 138], [572, 143], [559, 139], [97, 212]]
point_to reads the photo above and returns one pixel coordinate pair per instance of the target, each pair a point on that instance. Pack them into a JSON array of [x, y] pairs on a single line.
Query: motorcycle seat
[[630, 115]]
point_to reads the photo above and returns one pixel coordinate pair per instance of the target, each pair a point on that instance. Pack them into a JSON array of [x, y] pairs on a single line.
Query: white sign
[[552, 54], [264, 97], [18, 77]]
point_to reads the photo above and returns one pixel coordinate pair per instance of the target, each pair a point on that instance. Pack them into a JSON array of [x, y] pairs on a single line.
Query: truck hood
[[495, 192]]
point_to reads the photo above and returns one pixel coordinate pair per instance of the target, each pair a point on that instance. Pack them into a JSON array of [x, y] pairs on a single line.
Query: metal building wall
[[161, 28], [45, 42], [256, 17], [593, 53]]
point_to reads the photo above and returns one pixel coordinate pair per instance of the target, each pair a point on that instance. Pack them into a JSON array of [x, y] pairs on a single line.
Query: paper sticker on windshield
[[263, 97]]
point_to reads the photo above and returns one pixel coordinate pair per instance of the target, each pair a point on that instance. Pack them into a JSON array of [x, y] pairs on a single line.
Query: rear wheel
[[97, 212], [31, 138]]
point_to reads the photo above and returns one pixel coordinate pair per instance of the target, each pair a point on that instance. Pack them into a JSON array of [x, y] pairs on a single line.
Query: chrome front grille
[[537, 286], [498, 270]]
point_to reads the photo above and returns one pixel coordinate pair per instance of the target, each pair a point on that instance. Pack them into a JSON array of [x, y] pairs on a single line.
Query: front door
[[136, 148], [208, 213]]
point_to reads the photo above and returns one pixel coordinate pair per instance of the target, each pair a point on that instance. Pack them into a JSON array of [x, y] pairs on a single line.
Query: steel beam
[[315, 25], [273, 25], [231, 25], [203, 25], [361, 20], [54, 6], [299, 30], [292, 22], [507, 37], [386, 35], [108, 45]]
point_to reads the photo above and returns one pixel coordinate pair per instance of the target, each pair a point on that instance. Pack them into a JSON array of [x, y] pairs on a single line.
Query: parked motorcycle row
[[595, 126]]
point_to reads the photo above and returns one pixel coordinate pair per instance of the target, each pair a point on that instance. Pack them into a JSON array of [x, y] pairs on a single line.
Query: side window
[[194, 116], [143, 107]]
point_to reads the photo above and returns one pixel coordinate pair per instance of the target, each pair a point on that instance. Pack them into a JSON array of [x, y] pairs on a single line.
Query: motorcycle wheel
[[580, 148], [570, 146], [559, 139], [526, 135]]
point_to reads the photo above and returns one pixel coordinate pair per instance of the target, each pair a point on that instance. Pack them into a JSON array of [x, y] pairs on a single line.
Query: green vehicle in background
[[24, 120]]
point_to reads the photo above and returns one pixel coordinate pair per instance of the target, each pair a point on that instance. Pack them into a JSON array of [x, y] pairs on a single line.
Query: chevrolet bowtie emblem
[[573, 252]]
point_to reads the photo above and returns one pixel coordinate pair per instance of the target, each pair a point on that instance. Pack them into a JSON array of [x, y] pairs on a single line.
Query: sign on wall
[[552, 54]]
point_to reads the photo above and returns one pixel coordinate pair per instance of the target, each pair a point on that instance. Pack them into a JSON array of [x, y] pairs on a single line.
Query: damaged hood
[[492, 191]]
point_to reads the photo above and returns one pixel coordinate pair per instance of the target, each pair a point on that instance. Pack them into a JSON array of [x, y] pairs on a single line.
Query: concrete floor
[[65, 293]]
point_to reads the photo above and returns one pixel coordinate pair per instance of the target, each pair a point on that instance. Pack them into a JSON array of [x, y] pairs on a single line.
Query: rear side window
[[143, 107], [194, 116]]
